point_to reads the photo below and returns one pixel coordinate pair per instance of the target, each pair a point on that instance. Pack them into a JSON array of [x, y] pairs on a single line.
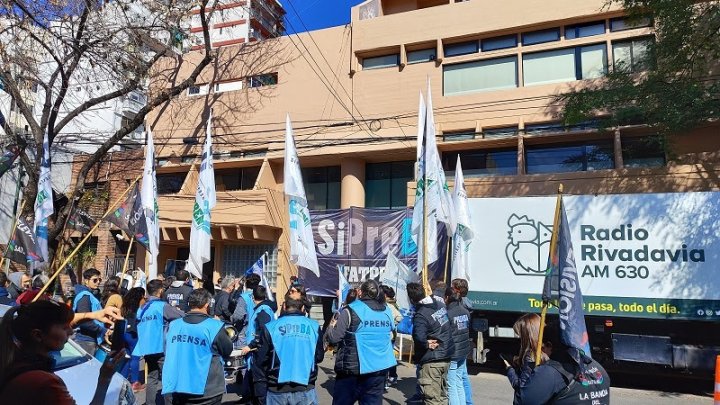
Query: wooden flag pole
[[127, 257], [85, 239], [553, 245], [12, 232], [447, 260]]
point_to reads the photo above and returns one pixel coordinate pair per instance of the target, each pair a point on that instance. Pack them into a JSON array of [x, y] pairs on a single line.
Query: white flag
[[149, 201], [44, 201], [205, 200], [463, 234], [397, 275], [302, 244]]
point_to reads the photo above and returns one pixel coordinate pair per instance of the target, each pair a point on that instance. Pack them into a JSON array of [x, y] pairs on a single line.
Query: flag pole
[[447, 260], [127, 257], [12, 233], [553, 245], [85, 239]]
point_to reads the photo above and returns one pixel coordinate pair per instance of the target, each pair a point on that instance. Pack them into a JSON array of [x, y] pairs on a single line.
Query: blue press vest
[[247, 297], [188, 356], [94, 306], [372, 338], [250, 331], [150, 327], [294, 339]]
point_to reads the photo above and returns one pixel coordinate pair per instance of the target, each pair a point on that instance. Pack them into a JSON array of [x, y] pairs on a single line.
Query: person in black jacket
[[518, 373], [460, 323], [178, 293], [432, 343], [222, 299]]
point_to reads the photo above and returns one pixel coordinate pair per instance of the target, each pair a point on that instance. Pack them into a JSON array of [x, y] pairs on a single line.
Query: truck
[[649, 270]]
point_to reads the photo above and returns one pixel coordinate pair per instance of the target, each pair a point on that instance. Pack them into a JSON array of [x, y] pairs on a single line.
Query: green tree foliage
[[679, 90]]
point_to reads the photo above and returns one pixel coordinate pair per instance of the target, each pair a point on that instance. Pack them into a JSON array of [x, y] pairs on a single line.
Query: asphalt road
[[493, 389]]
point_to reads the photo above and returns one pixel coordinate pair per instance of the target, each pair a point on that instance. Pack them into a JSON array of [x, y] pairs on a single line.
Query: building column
[[521, 155], [352, 186], [617, 149]]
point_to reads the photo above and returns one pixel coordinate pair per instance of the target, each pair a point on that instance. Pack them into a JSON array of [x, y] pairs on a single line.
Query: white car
[[80, 371]]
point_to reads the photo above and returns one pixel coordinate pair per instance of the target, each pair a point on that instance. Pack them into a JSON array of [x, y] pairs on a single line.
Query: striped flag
[[258, 268]]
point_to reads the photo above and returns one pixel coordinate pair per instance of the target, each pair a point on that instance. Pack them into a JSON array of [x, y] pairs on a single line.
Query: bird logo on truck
[[528, 246]]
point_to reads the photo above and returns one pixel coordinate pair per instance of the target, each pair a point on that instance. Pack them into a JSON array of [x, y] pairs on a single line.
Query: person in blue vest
[[254, 382], [244, 308], [152, 319], [362, 332], [196, 347], [290, 350], [90, 333]]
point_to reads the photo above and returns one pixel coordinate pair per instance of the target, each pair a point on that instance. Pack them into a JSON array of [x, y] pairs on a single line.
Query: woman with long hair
[[518, 373], [27, 336], [131, 303], [111, 293]]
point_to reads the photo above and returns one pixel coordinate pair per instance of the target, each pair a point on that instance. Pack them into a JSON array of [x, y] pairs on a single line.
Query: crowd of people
[[183, 335]]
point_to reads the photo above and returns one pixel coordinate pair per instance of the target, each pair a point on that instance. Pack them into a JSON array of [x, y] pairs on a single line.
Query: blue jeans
[[466, 383], [292, 398], [456, 388]]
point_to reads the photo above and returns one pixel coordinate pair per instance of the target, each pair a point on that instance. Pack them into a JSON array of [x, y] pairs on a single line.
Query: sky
[[316, 14]]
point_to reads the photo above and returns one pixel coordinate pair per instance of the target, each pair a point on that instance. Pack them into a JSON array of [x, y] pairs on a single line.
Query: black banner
[[23, 248], [130, 217]]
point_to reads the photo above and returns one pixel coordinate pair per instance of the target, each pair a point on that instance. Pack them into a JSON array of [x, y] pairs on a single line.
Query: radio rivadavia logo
[[528, 246]]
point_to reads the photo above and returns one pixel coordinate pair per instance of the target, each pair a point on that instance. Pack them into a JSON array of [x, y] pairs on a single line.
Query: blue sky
[[316, 14]]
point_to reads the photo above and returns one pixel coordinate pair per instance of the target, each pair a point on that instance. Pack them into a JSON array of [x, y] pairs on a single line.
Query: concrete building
[[352, 93]]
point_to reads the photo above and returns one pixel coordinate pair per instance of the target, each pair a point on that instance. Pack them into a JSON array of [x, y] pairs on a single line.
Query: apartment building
[[352, 93]]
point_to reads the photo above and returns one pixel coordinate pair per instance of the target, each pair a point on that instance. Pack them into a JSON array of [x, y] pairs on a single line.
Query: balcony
[[132, 103]]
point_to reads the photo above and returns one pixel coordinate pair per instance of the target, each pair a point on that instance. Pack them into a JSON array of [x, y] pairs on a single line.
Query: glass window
[[267, 79], [237, 179], [585, 30], [501, 132], [386, 184], [170, 183], [492, 74], [624, 23], [587, 156], [236, 259], [379, 62], [421, 55], [631, 56], [463, 135], [322, 187], [539, 37], [593, 61], [461, 48], [643, 152], [554, 66], [544, 128], [478, 163], [504, 42]]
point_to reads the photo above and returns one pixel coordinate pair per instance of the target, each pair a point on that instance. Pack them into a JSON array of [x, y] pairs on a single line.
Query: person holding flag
[[205, 201]]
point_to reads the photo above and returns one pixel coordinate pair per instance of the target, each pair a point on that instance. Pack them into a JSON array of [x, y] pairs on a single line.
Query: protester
[[91, 333], [178, 293], [36, 285], [262, 314], [365, 353], [111, 293], [389, 293], [244, 308], [27, 336], [19, 282], [432, 343], [132, 301], [5, 298], [297, 292], [289, 352], [460, 325], [528, 329], [222, 299], [460, 285], [199, 343], [569, 377], [152, 319]]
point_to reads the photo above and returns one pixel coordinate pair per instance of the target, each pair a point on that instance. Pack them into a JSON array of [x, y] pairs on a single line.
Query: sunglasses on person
[[95, 279]]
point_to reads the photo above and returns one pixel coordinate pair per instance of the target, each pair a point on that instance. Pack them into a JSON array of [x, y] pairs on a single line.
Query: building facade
[[352, 94]]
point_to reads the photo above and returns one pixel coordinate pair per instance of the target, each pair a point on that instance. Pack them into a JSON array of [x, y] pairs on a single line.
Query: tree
[[53, 45], [677, 88]]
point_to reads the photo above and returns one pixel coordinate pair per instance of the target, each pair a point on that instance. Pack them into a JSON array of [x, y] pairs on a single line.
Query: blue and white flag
[[397, 275], [562, 287], [343, 285], [205, 201], [44, 201], [257, 268]]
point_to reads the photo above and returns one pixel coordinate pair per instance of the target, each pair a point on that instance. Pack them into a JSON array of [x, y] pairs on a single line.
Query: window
[[386, 184], [461, 48], [544, 128], [585, 30], [631, 56], [237, 179], [236, 259], [322, 187], [577, 157], [484, 75], [501, 132], [228, 86], [539, 37], [643, 152], [198, 90], [268, 79], [478, 163], [421, 55], [504, 42], [624, 23], [379, 62], [463, 135], [170, 183], [564, 65]]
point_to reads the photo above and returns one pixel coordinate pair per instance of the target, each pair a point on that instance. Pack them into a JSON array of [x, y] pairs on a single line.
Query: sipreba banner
[[356, 241], [637, 255]]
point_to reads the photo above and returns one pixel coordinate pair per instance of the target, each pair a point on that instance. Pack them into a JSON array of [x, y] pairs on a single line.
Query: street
[[493, 389]]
